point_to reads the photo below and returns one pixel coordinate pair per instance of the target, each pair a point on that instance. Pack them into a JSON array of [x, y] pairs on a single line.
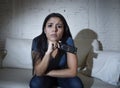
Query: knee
[[35, 82], [76, 83]]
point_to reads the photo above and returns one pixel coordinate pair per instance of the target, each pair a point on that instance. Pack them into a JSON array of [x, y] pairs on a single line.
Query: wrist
[[47, 53]]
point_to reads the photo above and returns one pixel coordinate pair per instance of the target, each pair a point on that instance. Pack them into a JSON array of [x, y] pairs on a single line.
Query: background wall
[[24, 18]]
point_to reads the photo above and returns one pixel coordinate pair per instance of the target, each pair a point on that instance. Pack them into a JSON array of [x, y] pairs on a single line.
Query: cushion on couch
[[18, 53], [107, 66], [15, 78], [91, 82], [104, 65]]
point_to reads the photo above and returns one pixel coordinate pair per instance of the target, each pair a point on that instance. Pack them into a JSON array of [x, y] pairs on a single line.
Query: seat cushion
[[107, 66], [18, 53], [15, 78], [91, 82]]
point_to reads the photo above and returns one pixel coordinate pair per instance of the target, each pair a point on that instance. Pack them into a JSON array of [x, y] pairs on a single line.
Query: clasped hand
[[52, 46]]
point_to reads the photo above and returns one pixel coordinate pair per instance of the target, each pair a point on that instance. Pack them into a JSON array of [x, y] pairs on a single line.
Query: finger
[[56, 45], [59, 43], [53, 46]]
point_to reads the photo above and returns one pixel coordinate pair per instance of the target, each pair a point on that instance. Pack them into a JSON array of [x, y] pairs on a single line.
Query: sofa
[[16, 65]]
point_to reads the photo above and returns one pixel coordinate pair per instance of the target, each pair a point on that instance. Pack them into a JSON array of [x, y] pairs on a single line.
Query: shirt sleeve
[[34, 45], [70, 41]]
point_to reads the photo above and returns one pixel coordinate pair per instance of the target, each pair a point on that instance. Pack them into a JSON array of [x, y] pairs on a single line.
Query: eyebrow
[[49, 23], [57, 23]]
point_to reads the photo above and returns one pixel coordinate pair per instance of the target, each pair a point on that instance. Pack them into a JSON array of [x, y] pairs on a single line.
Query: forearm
[[71, 71], [40, 67], [62, 73]]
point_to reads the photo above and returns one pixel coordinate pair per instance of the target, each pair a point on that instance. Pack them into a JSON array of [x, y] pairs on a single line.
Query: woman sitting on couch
[[53, 64]]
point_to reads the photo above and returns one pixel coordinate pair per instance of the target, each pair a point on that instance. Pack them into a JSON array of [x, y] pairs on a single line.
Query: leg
[[42, 82], [73, 82]]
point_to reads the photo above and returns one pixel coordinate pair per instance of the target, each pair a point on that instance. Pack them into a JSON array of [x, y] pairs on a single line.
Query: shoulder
[[35, 42], [36, 38], [70, 41]]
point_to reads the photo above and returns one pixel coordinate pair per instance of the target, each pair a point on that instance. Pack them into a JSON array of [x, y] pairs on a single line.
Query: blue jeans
[[50, 82]]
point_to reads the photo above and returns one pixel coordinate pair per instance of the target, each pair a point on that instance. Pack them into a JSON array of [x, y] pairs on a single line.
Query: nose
[[55, 28]]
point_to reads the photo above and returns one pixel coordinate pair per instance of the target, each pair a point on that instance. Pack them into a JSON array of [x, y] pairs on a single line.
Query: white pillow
[[18, 53], [107, 66]]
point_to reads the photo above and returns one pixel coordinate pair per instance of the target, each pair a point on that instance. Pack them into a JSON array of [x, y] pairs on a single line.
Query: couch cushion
[[91, 82], [107, 66], [18, 53], [15, 78]]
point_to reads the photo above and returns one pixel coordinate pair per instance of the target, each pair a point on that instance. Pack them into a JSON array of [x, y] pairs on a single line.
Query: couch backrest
[[18, 53], [19, 50]]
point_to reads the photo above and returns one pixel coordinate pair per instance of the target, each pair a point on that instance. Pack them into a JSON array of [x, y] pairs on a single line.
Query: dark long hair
[[42, 39]]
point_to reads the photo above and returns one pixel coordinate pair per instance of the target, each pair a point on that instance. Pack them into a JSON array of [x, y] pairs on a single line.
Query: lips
[[53, 35]]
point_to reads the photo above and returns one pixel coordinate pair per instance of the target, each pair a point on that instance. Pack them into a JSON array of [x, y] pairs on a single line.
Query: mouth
[[53, 35]]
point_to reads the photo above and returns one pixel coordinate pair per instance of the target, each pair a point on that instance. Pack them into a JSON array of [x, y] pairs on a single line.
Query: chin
[[54, 40]]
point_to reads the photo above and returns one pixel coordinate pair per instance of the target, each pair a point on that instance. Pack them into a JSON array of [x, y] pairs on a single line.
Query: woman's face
[[54, 29]]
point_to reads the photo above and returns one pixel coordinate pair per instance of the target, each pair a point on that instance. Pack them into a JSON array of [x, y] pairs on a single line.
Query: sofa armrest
[[3, 53]]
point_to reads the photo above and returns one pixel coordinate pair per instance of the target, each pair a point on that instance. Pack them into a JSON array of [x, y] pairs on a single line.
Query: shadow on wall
[[83, 42], [85, 53]]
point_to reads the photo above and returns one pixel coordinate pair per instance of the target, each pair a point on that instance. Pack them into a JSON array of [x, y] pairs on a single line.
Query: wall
[[24, 18]]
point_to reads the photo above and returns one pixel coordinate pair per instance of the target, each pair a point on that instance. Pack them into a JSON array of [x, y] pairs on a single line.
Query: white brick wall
[[24, 18]]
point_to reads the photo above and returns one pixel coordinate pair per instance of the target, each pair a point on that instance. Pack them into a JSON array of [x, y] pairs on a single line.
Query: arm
[[71, 71], [41, 65], [72, 63]]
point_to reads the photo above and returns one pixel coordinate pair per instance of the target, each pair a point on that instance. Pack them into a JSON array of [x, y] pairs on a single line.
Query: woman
[[51, 64]]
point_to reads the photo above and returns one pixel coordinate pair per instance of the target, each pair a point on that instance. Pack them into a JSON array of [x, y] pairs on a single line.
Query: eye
[[49, 25], [59, 26]]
